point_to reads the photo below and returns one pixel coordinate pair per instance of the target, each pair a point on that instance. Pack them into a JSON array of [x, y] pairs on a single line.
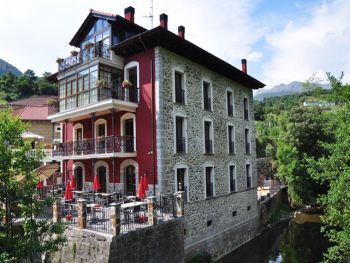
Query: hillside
[[6, 67], [295, 87]]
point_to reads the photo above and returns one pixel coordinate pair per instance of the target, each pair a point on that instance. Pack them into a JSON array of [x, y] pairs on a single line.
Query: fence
[[133, 215]]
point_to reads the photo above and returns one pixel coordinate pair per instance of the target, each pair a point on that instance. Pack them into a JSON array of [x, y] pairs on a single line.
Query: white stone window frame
[[209, 164], [230, 124], [182, 166], [207, 80], [105, 164], [128, 116], [76, 165], [58, 127], [249, 174], [211, 134], [248, 110], [133, 64], [98, 122], [235, 176], [182, 115], [75, 128], [249, 140], [228, 89], [125, 164], [180, 70]]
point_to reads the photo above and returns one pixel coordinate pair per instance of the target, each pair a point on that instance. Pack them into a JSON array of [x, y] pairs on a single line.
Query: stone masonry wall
[[220, 208], [160, 243], [43, 128]]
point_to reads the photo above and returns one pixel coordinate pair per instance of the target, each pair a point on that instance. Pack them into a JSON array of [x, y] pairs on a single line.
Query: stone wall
[[43, 128], [199, 210], [264, 169], [271, 205], [161, 243]]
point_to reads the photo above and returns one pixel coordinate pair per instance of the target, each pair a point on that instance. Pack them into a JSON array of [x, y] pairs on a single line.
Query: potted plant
[[89, 45], [74, 53], [59, 60], [101, 83], [126, 83]]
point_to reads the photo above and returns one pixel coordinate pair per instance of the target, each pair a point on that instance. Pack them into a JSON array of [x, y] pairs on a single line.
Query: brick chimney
[[129, 13], [244, 65], [163, 21], [181, 31]]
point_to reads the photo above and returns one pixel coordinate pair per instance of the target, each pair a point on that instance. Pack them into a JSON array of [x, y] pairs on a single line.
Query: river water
[[287, 242]]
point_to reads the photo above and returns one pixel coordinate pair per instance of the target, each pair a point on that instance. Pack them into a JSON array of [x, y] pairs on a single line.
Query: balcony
[[84, 55], [102, 146]]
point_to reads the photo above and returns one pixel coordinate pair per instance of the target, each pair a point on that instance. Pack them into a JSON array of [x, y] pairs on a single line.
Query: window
[[180, 134], [181, 180], [229, 102], [231, 139], [209, 181], [128, 131], [245, 109], [208, 137], [248, 175], [131, 73], [233, 179], [57, 127], [207, 96], [179, 87], [247, 141]]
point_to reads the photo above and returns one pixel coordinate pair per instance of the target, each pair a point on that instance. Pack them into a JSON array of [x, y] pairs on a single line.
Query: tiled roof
[[34, 101], [30, 113]]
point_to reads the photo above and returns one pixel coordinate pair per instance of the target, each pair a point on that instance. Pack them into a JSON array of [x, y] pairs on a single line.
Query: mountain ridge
[[6, 67]]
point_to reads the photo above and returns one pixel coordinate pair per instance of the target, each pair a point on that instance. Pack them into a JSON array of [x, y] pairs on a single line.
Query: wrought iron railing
[[112, 90], [231, 147], [207, 103], [180, 145], [208, 146], [84, 55], [180, 96], [247, 148], [100, 145]]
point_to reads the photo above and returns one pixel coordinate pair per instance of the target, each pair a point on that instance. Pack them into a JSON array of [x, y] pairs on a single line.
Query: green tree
[[334, 170], [31, 237]]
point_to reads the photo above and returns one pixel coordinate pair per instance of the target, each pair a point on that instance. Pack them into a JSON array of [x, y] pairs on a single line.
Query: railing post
[[56, 211], [152, 212], [115, 209], [82, 213], [180, 201]]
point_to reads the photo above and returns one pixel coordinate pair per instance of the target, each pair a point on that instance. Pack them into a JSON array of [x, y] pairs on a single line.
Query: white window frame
[[228, 138], [124, 117], [182, 115], [98, 122], [209, 164], [123, 165], [211, 93], [250, 175], [249, 140], [235, 177], [182, 166], [102, 163], [211, 134], [232, 102], [75, 127], [182, 72], [133, 64], [58, 125]]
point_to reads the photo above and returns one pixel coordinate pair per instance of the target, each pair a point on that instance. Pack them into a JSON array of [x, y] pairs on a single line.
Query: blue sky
[[283, 40]]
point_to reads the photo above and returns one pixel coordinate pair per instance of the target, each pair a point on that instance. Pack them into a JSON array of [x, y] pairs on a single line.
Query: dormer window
[[100, 32]]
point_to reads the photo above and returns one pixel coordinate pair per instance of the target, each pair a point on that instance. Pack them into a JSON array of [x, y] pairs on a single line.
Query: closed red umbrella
[[72, 183], [141, 192], [68, 195], [96, 185], [145, 183], [40, 185]]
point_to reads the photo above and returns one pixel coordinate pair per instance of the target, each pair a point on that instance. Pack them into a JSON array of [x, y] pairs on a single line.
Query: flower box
[[126, 84]]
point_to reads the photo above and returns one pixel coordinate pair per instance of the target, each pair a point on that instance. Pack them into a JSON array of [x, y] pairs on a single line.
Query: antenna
[[150, 15]]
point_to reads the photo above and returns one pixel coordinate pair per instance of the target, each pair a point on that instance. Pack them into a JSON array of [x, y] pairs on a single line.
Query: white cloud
[[38, 31], [320, 45]]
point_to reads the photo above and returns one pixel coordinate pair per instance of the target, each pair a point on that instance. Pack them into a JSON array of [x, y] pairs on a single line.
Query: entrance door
[[79, 178], [129, 134], [130, 180], [101, 141], [102, 174], [79, 140]]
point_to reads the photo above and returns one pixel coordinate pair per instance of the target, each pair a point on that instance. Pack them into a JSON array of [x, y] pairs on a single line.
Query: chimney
[[181, 31], [129, 13], [244, 65], [164, 21]]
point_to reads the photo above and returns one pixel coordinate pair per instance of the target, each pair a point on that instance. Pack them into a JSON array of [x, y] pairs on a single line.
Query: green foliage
[[17, 87], [18, 180]]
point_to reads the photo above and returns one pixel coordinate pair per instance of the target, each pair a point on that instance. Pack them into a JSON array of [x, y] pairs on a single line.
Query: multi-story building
[[184, 118]]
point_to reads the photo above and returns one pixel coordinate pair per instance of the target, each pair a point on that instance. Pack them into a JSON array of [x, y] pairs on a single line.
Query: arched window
[[79, 175], [129, 176], [128, 129], [101, 170], [181, 179]]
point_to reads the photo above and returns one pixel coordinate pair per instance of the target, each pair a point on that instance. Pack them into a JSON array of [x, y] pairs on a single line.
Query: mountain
[[294, 87], [6, 67]]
